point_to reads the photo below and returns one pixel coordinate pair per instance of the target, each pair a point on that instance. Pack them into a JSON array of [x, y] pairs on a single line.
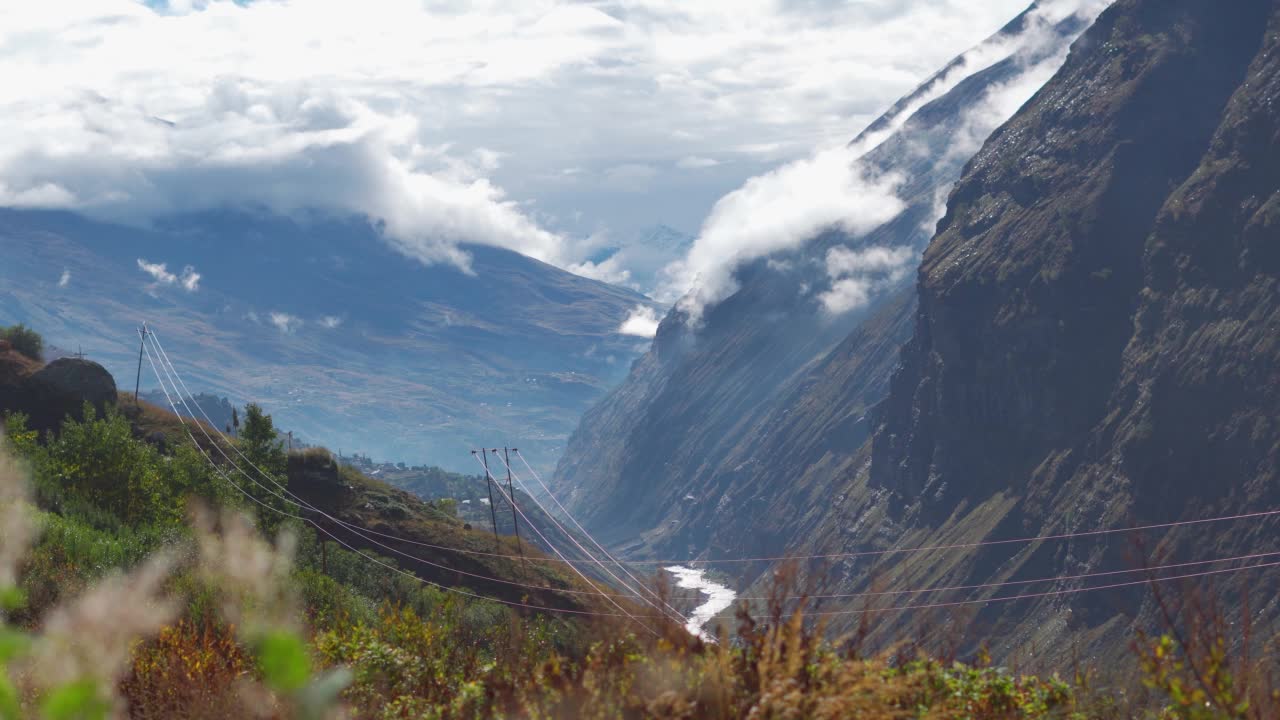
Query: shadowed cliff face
[[1097, 343], [1029, 291], [724, 424]]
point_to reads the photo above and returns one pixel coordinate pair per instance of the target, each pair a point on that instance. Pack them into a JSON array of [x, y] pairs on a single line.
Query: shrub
[[24, 340]]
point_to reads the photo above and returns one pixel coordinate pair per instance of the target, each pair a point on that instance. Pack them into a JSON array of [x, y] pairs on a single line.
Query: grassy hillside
[[137, 582]]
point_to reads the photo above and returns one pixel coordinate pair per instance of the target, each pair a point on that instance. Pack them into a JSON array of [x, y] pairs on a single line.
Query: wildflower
[[91, 639], [249, 571], [16, 527]]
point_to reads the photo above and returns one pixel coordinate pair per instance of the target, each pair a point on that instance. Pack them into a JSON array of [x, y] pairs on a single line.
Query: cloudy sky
[[553, 127]]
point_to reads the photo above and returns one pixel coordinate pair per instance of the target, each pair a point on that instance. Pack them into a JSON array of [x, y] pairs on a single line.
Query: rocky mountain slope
[[1096, 347], [321, 320], [688, 446]]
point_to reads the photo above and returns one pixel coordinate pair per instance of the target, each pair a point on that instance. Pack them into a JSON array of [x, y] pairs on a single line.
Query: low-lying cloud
[[857, 274], [833, 189], [780, 211], [642, 322], [440, 121]]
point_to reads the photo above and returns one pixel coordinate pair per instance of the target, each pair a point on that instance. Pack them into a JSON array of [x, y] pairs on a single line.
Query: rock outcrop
[[50, 394]]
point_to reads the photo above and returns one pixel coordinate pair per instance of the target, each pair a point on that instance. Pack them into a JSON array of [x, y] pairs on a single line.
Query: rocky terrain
[[1092, 344]]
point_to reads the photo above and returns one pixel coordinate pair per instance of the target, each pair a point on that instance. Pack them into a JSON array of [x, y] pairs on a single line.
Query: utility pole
[[506, 459], [137, 386], [488, 479]]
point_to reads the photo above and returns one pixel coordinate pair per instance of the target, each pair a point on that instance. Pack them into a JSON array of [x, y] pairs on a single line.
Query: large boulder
[[61, 389]]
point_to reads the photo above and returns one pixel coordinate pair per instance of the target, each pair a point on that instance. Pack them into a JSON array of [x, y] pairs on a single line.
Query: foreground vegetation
[[136, 582]]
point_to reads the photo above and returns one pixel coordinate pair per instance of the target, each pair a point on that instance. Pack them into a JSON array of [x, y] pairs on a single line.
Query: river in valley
[[718, 597]]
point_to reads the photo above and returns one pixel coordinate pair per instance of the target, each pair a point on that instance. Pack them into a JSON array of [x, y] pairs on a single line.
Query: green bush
[[24, 340]]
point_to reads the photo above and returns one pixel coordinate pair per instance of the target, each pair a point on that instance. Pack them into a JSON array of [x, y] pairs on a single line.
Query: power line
[[1047, 593], [587, 553], [556, 550], [780, 558], [299, 502], [338, 540], [574, 520], [843, 612]]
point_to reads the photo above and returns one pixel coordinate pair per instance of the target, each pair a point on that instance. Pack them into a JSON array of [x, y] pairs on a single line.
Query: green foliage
[[24, 340], [266, 456], [80, 700], [283, 659], [100, 461]]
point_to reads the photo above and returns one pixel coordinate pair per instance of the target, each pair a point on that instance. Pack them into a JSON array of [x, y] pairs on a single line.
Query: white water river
[[719, 597]]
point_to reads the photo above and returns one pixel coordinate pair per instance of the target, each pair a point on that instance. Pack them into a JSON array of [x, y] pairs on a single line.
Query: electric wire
[[584, 551], [296, 500], [583, 530], [782, 558], [217, 469], [1050, 593]]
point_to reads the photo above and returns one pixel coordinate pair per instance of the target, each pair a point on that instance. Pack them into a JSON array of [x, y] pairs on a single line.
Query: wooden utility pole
[[137, 385], [511, 493], [488, 479]]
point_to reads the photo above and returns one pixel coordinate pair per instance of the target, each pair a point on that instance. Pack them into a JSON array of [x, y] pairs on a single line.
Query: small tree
[[24, 340], [235, 421], [263, 448]]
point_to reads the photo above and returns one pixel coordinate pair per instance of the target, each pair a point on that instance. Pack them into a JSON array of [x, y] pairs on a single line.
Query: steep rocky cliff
[[766, 396], [1097, 343]]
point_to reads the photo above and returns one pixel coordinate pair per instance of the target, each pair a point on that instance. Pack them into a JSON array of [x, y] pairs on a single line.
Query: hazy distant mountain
[[642, 255], [330, 329]]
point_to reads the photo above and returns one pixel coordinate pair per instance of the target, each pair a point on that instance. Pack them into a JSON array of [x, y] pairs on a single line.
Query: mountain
[[677, 454], [348, 342], [1097, 343], [639, 258]]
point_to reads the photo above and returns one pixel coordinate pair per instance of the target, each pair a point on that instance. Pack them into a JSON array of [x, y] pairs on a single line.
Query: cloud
[[777, 211], [158, 271], [642, 322], [857, 274], [609, 270], [438, 119], [189, 280], [330, 322], [693, 162], [65, 279], [832, 189], [285, 322]]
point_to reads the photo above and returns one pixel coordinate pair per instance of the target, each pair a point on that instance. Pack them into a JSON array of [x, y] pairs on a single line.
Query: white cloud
[[693, 162], [331, 322], [285, 322], [787, 207], [778, 211], [436, 119], [857, 275], [642, 322], [65, 279], [609, 270], [842, 261], [158, 271], [189, 280]]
